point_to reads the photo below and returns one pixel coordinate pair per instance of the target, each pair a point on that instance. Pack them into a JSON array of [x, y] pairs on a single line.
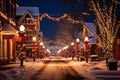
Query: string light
[[60, 18], [70, 20], [49, 17], [6, 18]]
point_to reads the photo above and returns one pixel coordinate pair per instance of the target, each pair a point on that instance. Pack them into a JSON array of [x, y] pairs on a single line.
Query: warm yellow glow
[[65, 47], [77, 40], [72, 43], [22, 28], [59, 51], [41, 43], [86, 39], [48, 50], [43, 46], [34, 38]]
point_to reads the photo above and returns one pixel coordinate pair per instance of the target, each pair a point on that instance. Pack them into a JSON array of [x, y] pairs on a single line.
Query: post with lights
[[40, 49], [72, 50], [43, 52], [22, 35], [34, 50], [77, 48], [66, 51], [86, 41]]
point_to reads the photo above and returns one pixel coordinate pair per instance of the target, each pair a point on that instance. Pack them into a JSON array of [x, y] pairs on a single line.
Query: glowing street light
[[77, 46], [41, 43], [86, 41], [34, 39], [34, 48], [72, 50], [77, 40], [41, 50], [22, 34], [72, 44], [22, 28]]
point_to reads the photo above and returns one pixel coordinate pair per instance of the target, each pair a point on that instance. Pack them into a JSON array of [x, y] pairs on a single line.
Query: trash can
[[112, 64]]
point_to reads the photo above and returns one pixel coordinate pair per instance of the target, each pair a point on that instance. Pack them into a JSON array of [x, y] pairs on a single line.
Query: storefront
[[7, 44]]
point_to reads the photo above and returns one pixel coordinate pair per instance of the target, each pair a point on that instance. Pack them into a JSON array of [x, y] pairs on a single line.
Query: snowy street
[[58, 69]]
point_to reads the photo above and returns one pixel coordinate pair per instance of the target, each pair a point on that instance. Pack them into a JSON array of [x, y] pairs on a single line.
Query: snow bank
[[21, 72], [90, 70]]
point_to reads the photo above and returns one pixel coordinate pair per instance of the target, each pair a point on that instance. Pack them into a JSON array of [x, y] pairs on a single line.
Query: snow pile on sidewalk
[[92, 70], [21, 72]]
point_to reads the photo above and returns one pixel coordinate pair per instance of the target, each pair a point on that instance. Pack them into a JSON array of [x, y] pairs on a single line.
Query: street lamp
[[86, 41], [41, 43], [34, 48], [41, 50], [77, 46], [72, 50], [22, 34], [66, 51]]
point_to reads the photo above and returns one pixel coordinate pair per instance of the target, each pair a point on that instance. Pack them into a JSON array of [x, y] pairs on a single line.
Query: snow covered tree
[[108, 20], [107, 14]]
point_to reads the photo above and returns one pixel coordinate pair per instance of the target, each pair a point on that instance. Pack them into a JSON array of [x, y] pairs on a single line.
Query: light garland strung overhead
[[70, 20], [60, 18]]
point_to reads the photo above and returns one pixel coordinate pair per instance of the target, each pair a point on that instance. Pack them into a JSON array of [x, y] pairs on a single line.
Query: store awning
[[7, 29]]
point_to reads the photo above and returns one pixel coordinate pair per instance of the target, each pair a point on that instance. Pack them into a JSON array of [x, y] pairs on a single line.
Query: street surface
[[56, 69]]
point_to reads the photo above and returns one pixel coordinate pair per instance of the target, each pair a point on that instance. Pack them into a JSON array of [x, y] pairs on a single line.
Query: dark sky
[[55, 8]]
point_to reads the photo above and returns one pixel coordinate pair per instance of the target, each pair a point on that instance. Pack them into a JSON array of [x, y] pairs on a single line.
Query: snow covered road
[[57, 70]]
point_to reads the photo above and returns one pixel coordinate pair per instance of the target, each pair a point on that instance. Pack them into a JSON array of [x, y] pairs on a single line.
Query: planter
[[112, 64]]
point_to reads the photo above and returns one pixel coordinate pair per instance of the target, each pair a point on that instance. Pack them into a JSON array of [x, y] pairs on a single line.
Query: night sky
[[55, 8]]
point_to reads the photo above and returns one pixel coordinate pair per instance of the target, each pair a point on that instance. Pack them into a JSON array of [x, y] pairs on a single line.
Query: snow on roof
[[8, 27], [91, 26], [33, 10], [40, 33], [112, 60]]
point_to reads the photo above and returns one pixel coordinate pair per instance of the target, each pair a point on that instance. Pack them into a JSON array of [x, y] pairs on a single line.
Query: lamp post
[[72, 50], [86, 41], [66, 51], [22, 34], [43, 51], [34, 48], [40, 50], [77, 48]]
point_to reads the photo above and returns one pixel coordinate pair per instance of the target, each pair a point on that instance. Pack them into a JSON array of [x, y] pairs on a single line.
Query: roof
[[9, 30], [40, 33], [8, 27], [21, 10]]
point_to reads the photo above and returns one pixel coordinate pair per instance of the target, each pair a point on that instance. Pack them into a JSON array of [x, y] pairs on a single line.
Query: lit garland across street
[[60, 18], [70, 20]]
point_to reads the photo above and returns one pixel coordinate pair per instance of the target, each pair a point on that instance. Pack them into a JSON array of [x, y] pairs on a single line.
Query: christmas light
[[7, 19], [60, 18]]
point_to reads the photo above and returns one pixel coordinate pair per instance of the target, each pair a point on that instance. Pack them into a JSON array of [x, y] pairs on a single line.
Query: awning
[[7, 29]]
